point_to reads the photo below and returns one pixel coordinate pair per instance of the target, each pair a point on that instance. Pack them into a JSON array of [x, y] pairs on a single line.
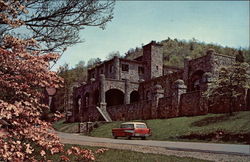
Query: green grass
[[170, 129], [66, 127], [128, 156]]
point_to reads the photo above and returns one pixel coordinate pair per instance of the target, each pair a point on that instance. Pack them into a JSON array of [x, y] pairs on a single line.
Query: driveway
[[179, 146]]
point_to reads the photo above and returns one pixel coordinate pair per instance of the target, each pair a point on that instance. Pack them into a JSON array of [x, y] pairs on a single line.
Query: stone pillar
[[179, 89], [126, 95], [212, 59], [103, 105], [117, 68], [102, 89], [157, 94], [186, 69]]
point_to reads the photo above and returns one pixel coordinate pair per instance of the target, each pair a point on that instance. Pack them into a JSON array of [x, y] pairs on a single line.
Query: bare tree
[[54, 24]]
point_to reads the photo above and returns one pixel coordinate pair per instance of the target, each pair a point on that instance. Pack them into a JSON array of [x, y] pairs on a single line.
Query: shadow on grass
[[211, 120]]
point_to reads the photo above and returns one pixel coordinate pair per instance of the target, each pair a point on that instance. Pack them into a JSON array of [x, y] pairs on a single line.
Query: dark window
[[111, 68], [157, 67], [93, 75], [141, 126], [140, 70], [101, 71], [125, 67], [127, 126]]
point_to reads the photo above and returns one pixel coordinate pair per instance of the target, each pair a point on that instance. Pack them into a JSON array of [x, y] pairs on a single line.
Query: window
[[140, 70], [127, 126], [111, 68], [101, 71], [157, 67], [125, 67], [93, 75], [141, 126]]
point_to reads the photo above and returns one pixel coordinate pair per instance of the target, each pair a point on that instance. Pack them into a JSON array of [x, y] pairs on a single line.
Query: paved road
[[183, 146]]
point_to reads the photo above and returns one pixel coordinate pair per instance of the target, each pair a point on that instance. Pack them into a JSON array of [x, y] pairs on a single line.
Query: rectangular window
[[93, 75], [125, 67], [111, 68], [140, 70]]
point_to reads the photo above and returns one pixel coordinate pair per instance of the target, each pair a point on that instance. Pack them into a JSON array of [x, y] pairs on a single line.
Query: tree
[[24, 74], [55, 25], [93, 61], [230, 85], [113, 54]]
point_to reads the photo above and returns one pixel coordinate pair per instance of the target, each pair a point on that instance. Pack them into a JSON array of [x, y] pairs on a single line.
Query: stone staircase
[[104, 113]]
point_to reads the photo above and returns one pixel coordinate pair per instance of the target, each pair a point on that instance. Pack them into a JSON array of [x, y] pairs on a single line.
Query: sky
[[138, 22]]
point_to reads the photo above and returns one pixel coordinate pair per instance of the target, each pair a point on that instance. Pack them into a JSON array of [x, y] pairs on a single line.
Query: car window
[[141, 126], [127, 126]]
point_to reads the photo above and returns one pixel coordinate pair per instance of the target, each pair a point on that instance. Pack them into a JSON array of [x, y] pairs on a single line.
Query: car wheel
[[129, 137], [143, 138]]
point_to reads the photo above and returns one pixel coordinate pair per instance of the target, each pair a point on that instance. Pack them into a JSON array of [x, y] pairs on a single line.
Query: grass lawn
[[171, 129], [129, 156]]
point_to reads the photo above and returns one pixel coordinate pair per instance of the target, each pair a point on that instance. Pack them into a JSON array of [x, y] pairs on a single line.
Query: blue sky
[[138, 22]]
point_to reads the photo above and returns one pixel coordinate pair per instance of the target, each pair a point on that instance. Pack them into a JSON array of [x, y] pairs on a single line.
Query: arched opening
[[196, 80], [95, 100], [134, 96], [114, 97], [86, 100]]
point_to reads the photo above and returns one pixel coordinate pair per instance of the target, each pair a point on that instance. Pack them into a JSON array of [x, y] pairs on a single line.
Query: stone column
[[157, 94], [102, 88], [126, 95], [103, 105], [179, 89], [117, 68], [186, 69]]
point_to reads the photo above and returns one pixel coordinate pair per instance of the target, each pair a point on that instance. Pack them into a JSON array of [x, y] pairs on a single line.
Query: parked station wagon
[[132, 129]]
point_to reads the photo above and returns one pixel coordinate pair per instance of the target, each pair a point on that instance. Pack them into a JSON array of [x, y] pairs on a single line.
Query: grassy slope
[[128, 156], [169, 129], [66, 127]]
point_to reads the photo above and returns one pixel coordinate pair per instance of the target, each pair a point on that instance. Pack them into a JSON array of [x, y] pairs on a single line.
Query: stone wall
[[146, 88], [136, 111], [132, 74], [166, 109], [192, 104]]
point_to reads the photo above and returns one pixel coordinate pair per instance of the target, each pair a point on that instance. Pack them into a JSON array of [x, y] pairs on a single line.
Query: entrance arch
[[196, 80], [114, 97], [134, 96]]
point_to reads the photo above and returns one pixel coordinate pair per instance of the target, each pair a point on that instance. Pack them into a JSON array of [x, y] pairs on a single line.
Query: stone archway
[[195, 80], [114, 97], [134, 96], [86, 100]]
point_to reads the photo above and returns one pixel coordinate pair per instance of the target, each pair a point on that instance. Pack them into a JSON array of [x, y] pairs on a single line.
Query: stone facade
[[143, 88]]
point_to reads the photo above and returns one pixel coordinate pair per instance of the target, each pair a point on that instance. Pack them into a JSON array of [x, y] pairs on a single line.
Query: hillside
[[207, 128], [174, 51]]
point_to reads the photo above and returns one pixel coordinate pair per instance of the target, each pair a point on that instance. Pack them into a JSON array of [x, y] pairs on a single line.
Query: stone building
[[143, 88]]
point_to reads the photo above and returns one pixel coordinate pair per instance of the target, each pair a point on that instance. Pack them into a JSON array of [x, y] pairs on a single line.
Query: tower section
[[153, 58]]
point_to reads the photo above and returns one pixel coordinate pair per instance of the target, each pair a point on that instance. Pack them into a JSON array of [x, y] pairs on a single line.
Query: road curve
[[181, 146]]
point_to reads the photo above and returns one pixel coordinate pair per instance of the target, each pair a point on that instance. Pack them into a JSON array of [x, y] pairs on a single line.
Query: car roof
[[133, 123]]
